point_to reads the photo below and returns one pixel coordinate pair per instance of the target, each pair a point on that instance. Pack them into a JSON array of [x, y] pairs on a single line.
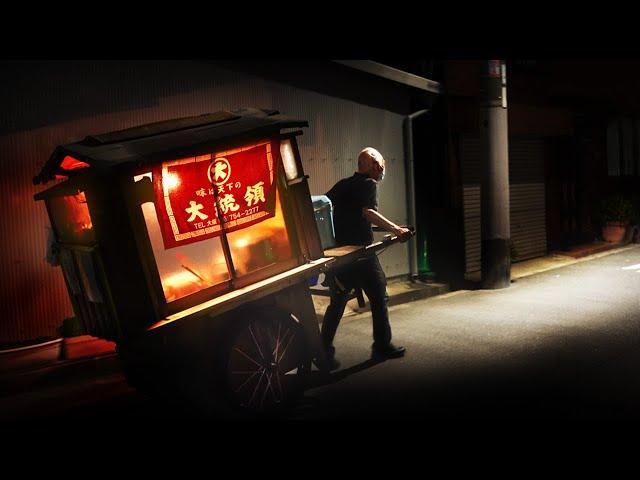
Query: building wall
[[566, 105], [50, 103], [532, 121], [526, 193]]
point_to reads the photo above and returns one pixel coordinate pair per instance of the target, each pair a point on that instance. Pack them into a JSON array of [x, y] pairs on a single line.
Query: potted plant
[[616, 212]]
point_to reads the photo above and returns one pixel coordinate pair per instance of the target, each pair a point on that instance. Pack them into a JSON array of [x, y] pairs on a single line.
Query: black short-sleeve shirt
[[349, 196]]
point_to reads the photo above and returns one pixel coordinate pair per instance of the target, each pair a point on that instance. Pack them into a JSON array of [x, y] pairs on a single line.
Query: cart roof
[[165, 140]]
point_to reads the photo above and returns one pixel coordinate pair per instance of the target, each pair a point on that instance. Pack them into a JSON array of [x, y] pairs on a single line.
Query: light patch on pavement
[[400, 306], [632, 267], [448, 295]]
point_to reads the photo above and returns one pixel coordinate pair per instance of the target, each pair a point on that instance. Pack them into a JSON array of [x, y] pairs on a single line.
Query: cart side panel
[[303, 210], [80, 255], [121, 259], [198, 338]]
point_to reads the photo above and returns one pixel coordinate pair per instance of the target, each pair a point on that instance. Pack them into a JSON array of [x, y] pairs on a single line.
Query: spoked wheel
[[266, 364]]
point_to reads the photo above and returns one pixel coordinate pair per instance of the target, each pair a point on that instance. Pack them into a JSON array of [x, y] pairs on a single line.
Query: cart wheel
[[266, 363]]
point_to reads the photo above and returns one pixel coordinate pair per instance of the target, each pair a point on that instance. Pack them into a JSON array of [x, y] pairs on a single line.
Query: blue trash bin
[[323, 211]]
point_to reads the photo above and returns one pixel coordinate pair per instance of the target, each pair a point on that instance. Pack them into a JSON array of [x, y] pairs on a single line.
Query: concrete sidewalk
[[399, 291], [580, 253], [405, 291], [102, 361]]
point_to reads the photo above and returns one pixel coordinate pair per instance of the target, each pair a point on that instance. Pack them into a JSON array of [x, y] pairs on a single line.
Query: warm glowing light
[[79, 211], [137, 178], [170, 181], [179, 284], [261, 244], [70, 163], [180, 279], [241, 242], [71, 218], [192, 268], [288, 160]]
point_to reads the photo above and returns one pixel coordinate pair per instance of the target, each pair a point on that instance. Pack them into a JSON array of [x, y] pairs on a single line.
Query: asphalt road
[[560, 344]]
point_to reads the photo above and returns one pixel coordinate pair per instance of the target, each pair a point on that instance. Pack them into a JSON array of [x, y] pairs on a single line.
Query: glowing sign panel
[[199, 197]]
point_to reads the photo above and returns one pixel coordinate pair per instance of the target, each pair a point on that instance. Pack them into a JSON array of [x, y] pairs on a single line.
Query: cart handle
[[376, 228]]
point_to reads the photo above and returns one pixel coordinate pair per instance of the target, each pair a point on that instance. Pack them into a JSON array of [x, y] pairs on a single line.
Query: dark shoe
[[389, 351], [333, 363]]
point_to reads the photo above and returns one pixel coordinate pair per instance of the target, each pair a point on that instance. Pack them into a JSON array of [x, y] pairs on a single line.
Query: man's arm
[[380, 220]]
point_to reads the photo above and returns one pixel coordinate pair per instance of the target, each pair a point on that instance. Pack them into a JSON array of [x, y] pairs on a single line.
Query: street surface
[[559, 344]]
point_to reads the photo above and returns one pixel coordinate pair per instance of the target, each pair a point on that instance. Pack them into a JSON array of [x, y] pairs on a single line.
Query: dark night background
[[563, 96]]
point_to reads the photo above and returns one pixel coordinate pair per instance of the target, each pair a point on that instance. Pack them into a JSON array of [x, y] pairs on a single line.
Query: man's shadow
[[318, 378]]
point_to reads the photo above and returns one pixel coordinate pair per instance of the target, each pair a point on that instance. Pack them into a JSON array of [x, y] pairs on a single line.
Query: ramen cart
[[191, 244]]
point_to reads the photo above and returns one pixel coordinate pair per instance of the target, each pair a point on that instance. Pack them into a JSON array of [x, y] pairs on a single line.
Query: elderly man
[[355, 204]]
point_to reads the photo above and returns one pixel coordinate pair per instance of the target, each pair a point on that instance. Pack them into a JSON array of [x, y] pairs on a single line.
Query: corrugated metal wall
[[528, 221], [472, 227], [329, 153], [50, 103], [527, 198]]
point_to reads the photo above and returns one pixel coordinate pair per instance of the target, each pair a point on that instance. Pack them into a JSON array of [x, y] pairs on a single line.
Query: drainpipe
[[411, 190]]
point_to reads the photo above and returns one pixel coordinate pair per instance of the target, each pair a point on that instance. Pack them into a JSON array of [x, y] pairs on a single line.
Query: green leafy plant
[[616, 208]]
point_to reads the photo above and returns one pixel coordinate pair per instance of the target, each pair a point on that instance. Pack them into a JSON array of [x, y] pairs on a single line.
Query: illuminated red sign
[[199, 197]]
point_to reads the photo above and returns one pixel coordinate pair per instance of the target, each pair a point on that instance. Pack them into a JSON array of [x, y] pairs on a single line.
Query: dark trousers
[[368, 275]]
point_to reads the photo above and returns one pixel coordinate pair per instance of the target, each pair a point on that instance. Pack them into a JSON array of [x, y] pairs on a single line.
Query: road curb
[[423, 291], [13, 382]]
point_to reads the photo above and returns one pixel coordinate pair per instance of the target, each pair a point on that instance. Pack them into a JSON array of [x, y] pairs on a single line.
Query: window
[[260, 245], [216, 218], [623, 152], [71, 219], [186, 269]]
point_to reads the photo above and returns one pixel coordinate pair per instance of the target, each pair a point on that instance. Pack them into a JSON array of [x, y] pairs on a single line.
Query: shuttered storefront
[[527, 199]]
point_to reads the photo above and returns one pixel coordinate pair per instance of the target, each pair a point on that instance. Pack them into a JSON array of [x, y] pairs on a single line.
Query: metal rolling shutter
[[472, 228], [527, 199], [470, 156]]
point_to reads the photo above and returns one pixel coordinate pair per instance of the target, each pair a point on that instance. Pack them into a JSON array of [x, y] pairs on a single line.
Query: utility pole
[[496, 228]]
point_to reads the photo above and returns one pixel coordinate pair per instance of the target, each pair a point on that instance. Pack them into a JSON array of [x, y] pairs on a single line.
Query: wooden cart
[[190, 243]]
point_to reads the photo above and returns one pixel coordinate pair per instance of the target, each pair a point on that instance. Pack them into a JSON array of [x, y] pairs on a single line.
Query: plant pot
[[613, 232]]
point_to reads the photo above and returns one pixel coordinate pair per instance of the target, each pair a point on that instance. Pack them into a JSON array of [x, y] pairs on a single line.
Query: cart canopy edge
[[151, 142]]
